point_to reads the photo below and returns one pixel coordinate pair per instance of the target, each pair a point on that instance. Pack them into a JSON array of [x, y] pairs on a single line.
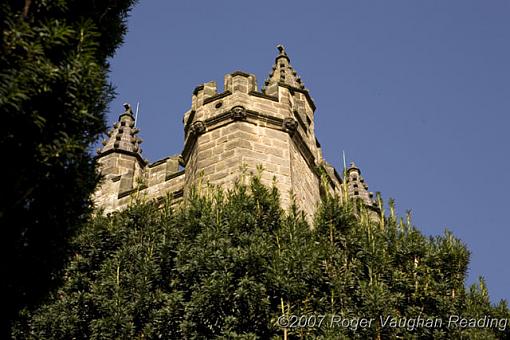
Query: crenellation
[[172, 164], [227, 133], [240, 82], [209, 90]]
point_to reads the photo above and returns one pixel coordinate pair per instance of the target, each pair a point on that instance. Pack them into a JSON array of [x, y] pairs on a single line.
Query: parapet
[[226, 131]]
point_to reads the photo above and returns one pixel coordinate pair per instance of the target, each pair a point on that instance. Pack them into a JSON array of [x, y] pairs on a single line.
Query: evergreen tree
[[234, 265], [53, 95]]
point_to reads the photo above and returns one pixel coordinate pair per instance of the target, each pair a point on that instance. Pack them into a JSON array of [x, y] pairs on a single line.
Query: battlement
[[240, 127]]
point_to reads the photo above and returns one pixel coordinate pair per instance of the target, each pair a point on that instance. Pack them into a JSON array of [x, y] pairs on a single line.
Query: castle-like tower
[[239, 128]]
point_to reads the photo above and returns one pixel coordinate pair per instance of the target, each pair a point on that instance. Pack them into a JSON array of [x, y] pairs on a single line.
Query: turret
[[285, 83], [120, 157], [243, 127], [225, 134], [283, 73], [356, 186]]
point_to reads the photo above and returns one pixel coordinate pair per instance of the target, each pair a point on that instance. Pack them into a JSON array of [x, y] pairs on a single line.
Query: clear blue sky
[[416, 92]]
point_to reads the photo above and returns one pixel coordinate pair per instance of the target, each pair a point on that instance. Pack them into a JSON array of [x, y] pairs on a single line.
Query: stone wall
[[244, 128], [151, 182], [239, 129]]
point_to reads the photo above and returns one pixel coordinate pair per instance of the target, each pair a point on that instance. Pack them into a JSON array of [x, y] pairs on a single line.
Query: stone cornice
[[159, 162], [174, 175], [263, 95], [198, 89], [252, 117], [217, 96], [142, 161], [240, 73], [130, 191]]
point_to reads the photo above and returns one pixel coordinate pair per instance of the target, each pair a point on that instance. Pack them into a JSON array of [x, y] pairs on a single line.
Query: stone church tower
[[224, 132]]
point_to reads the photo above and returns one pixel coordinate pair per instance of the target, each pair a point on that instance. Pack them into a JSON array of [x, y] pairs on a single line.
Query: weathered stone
[[197, 127], [226, 132]]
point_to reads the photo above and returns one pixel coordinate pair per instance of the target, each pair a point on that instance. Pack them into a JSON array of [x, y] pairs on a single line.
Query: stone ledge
[[124, 152], [277, 122], [240, 73], [263, 95], [217, 96], [159, 162], [178, 193], [253, 115], [175, 195], [198, 89], [174, 175], [130, 191]]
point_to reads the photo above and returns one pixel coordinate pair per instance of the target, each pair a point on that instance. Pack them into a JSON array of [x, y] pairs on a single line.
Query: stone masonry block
[[202, 154], [217, 176], [127, 164], [238, 143], [248, 128], [278, 161], [277, 134], [257, 156], [284, 170], [172, 165], [206, 137], [202, 163], [227, 154], [244, 136], [241, 88], [206, 145], [209, 89]]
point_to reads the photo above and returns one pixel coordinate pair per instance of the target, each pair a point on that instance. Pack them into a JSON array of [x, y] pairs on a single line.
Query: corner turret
[[122, 137], [283, 72], [227, 134], [120, 158], [356, 186]]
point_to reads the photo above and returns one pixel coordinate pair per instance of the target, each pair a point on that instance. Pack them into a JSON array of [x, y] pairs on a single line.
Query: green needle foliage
[[230, 264], [53, 95]]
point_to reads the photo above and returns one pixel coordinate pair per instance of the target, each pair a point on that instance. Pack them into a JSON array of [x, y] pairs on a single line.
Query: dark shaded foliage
[[229, 264], [53, 95]]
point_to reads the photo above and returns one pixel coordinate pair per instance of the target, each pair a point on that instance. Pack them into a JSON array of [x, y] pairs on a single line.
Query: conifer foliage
[[234, 265], [53, 95]]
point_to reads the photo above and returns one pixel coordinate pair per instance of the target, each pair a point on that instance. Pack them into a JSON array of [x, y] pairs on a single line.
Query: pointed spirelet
[[357, 188], [122, 137], [283, 72]]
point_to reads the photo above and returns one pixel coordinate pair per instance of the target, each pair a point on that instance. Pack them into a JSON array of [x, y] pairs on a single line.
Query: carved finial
[[282, 73], [122, 136], [128, 109], [281, 48]]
